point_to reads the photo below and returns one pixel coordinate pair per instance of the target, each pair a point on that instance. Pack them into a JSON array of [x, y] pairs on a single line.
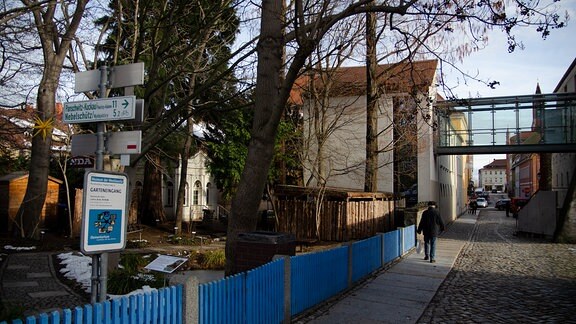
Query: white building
[[334, 112], [493, 176], [201, 193]]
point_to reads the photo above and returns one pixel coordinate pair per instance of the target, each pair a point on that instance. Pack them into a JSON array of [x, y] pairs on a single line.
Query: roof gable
[[407, 77]]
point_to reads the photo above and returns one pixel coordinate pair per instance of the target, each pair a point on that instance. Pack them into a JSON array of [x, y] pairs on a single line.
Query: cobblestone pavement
[[29, 282], [503, 278]]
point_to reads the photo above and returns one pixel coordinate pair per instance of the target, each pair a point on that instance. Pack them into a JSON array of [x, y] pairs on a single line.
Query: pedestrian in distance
[[431, 225], [473, 207]]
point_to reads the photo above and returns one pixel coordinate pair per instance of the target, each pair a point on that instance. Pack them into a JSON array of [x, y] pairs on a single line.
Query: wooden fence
[[341, 216]]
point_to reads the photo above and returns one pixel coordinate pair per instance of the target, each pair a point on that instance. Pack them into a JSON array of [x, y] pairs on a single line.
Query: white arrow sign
[[97, 110]]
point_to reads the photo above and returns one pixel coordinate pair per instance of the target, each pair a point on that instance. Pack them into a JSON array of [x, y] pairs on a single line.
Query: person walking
[[473, 207], [431, 225]]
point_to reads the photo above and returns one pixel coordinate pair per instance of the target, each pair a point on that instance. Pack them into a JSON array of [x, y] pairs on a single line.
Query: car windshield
[[480, 199]]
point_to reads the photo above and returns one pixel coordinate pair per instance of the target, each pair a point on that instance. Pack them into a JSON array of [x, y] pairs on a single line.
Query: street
[[503, 278]]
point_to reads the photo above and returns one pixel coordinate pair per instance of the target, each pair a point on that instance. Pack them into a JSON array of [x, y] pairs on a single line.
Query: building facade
[[493, 176], [564, 164], [335, 122]]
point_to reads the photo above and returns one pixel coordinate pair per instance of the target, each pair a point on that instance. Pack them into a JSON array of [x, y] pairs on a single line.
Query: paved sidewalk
[[29, 281], [401, 293]]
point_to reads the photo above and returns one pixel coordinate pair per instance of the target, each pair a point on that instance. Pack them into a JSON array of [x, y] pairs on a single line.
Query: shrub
[[130, 277], [121, 282]]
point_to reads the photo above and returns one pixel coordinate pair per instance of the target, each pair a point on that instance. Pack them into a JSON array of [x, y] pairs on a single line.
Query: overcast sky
[[541, 61]]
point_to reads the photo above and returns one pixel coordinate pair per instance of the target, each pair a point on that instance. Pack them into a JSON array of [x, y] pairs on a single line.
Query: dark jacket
[[431, 223]]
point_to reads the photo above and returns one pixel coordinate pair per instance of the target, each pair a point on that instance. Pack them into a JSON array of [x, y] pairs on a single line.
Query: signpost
[[107, 109], [105, 194]]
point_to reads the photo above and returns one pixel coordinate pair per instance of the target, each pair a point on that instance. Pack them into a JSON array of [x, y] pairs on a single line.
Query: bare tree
[[309, 24], [47, 28]]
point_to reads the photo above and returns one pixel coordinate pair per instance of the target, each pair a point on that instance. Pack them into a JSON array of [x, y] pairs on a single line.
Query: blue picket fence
[[256, 296], [366, 257], [314, 278], [158, 306], [260, 295]]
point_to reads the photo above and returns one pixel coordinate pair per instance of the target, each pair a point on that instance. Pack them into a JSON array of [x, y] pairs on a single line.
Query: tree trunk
[[30, 212], [371, 172], [267, 111], [152, 211], [183, 176], [55, 47], [545, 177]]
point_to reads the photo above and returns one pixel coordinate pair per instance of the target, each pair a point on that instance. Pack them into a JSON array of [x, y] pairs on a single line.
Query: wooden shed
[[12, 191], [329, 214]]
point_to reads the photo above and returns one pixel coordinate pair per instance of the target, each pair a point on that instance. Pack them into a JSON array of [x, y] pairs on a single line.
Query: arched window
[[169, 194], [196, 195]]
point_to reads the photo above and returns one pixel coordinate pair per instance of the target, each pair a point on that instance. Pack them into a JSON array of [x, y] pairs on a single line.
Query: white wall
[[344, 149]]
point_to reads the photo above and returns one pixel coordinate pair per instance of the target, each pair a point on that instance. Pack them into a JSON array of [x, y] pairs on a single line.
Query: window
[[169, 194], [208, 193], [196, 195], [186, 193]]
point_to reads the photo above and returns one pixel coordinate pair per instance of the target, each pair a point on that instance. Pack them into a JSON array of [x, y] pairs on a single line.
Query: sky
[[542, 61]]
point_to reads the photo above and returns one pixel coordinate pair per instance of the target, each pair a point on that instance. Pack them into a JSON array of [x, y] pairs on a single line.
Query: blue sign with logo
[[104, 212]]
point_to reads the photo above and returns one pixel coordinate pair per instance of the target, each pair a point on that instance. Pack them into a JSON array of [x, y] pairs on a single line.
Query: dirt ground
[[147, 238]]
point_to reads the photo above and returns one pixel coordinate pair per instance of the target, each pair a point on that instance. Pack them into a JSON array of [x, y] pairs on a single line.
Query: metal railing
[[517, 124]]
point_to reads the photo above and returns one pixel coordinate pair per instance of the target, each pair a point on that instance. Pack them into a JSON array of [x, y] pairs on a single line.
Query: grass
[[212, 260]]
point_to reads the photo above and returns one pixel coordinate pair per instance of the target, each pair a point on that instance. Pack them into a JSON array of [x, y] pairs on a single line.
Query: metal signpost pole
[[109, 238], [101, 148]]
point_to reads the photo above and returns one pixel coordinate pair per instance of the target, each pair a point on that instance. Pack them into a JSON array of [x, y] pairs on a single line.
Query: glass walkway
[[519, 124]]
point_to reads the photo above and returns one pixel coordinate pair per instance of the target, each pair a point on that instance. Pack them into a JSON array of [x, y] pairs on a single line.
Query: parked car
[[482, 202], [502, 204]]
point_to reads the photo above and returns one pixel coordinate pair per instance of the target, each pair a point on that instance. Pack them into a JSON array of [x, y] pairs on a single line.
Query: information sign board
[[104, 212], [166, 263]]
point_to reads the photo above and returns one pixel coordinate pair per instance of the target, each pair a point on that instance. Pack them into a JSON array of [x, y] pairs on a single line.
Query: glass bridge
[[518, 124]]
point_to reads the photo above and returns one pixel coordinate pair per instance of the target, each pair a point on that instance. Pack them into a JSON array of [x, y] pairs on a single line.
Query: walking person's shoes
[[432, 261], [426, 258]]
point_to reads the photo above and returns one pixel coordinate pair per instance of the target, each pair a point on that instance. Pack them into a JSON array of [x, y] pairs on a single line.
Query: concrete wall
[[539, 215]]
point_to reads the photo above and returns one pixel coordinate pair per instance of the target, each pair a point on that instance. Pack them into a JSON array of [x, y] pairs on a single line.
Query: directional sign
[[116, 143], [124, 142], [119, 76], [97, 110]]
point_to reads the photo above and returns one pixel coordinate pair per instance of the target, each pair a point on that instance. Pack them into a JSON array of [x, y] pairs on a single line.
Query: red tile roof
[[351, 81]]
